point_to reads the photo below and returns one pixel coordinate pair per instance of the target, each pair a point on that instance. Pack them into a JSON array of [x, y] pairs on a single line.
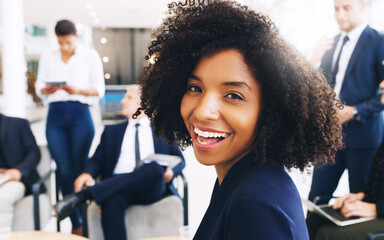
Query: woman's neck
[[66, 56]]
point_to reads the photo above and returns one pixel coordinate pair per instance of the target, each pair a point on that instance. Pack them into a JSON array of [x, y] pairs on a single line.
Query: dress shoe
[[77, 231], [67, 206]]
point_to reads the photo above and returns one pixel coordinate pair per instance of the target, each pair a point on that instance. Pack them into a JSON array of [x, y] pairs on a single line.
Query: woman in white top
[[70, 77]]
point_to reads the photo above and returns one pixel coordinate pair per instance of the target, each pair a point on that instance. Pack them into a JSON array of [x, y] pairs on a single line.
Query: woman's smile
[[209, 137], [207, 140]]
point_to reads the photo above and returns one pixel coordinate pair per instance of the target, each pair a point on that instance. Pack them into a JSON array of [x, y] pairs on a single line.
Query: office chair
[[33, 212], [375, 235], [144, 221]]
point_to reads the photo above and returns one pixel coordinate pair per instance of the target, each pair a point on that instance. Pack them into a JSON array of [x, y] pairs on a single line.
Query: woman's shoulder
[[268, 202], [268, 184]]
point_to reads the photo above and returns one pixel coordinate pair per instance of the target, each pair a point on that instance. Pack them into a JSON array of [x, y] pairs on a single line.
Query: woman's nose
[[207, 108]]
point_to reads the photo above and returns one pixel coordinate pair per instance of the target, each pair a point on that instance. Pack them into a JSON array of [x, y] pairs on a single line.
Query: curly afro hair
[[297, 124]]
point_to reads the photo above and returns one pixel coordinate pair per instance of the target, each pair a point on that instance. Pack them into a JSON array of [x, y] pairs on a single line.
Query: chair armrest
[[374, 235], [36, 190], [36, 187], [185, 198]]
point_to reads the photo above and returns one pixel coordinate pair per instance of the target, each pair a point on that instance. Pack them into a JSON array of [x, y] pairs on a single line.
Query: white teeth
[[210, 134], [203, 143]]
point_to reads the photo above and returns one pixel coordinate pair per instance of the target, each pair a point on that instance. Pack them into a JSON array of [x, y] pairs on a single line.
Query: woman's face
[[220, 109], [67, 43]]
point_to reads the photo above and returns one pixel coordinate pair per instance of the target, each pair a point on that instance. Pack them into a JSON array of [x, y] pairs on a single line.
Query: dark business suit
[[20, 149], [254, 202], [115, 193], [362, 138]]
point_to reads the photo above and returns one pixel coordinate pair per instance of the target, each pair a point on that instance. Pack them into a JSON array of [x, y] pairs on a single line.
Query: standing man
[[19, 156], [123, 183], [354, 67]]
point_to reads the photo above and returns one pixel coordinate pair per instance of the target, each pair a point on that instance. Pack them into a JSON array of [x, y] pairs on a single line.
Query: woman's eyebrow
[[237, 84], [194, 77]]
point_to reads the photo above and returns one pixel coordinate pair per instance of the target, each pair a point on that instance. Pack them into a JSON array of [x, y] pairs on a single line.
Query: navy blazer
[[104, 160], [20, 149], [254, 202], [364, 72]]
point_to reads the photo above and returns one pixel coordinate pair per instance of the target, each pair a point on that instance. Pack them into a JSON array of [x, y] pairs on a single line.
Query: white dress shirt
[[346, 54], [83, 70], [126, 162]]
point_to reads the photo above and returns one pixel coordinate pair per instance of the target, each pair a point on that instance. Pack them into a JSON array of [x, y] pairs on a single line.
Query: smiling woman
[[225, 82], [220, 109]]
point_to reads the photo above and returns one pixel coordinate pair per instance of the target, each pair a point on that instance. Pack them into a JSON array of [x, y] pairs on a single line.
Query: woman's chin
[[204, 160]]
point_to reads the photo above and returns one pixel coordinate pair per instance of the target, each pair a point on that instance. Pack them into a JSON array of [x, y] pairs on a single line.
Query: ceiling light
[[103, 40], [105, 59], [107, 76]]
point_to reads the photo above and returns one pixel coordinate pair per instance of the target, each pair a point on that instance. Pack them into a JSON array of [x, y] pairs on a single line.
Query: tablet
[[335, 216], [56, 83]]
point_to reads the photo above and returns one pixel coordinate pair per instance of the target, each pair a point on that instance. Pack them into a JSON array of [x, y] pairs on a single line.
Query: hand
[[70, 89], [346, 114], [168, 175], [13, 174], [48, 89], [349, 198], [325, 43], [85, 179], [359, 209], [382, 94]]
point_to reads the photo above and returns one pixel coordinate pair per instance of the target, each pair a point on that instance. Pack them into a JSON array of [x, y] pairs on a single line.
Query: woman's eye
[[234, 96], [194, 89]]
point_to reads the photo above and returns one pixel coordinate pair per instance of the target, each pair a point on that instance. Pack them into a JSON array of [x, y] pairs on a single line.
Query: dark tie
[[137, 145], [336, 69]]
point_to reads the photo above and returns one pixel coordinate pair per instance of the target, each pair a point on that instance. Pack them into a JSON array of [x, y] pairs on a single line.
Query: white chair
[[162, 218], [34, 211]]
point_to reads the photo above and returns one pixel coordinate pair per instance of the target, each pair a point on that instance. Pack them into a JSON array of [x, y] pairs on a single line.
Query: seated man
[[122, 182], [19, 156], [369, 203]]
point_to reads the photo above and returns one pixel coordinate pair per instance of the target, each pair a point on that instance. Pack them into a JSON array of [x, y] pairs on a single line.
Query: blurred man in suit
[[353, 64], [124, 183], [19, 156]]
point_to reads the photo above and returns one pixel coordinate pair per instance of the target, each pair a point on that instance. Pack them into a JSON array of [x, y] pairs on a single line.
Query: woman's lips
[[208, 140], [205, 141]]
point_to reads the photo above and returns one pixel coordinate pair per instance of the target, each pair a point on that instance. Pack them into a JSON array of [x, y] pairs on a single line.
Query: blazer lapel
[[361, 43], [3, 128], [121, 133], [155, 145], [117, 144], [326, 62]]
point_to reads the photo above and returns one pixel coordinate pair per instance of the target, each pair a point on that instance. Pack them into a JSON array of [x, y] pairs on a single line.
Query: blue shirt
[[254, 202]]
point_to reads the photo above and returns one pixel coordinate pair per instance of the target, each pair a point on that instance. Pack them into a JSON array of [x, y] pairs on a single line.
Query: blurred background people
[[353, 66], [123, 182], [367, 203], [19, 156], [69, 77]]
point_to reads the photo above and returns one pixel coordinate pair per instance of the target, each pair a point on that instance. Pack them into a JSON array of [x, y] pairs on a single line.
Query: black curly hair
[[297, 125]]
